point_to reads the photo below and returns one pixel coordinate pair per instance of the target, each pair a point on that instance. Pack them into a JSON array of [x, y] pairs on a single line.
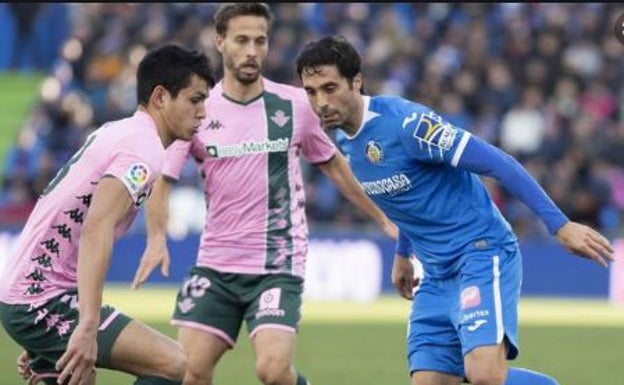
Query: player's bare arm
[[110, 204], [157, 216], [340, 173], [586, 242]]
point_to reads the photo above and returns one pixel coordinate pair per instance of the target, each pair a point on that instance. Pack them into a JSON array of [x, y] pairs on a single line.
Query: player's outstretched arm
[[338, 170], [156, 216], [585, 242], [109, 206]]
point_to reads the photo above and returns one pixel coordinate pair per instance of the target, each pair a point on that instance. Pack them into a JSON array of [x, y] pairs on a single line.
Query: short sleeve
[[135, 171]]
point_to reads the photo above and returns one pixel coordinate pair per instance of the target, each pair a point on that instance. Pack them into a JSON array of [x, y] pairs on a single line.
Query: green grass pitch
[[577, 341]]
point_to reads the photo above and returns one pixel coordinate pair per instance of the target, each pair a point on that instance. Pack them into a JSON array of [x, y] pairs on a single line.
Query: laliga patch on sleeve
[[136, 177], [434, 130]]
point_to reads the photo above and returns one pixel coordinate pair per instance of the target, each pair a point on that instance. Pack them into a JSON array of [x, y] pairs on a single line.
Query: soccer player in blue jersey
[[424, 174]]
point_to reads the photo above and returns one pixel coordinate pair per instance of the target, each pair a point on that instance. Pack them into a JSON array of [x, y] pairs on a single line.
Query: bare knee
[[487, 365], [486, 378], [486, 374], [197, 377], [434, 378], [272, 370]]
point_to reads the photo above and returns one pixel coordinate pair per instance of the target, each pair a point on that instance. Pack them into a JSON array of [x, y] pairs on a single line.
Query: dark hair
[[171, 66], [330, 50], [228, 11]]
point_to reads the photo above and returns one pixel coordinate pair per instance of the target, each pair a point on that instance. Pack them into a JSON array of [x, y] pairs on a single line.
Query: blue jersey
[[421, 171]]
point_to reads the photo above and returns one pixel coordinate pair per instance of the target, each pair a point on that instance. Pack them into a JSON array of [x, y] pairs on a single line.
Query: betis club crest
[[373, 152]]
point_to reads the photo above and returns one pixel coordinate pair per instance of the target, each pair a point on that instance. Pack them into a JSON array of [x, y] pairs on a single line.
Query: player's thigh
[[432, 341], [434, 378], [143, 351], [210, 302], [203, 350], [489, 293], [272, 316], [274, 303]]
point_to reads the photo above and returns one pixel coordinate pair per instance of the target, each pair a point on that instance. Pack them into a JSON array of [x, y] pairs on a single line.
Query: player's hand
[[24, 370], [78, 361], [23, 366], [156, 253], [390, 229], [403, 277], [585, 242]]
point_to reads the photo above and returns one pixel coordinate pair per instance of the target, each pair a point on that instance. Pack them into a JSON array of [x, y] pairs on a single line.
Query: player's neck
[[241, 92], [352, 126], [161, 125]]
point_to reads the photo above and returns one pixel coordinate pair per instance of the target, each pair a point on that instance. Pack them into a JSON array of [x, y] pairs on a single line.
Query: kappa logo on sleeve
[[137, 176]]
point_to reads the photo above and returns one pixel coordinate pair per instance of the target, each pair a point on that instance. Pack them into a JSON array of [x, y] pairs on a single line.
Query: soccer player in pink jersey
[[252, 253], [51, 292]]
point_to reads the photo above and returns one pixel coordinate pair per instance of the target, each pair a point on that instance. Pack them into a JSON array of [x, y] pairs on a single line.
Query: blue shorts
[[475, 307]]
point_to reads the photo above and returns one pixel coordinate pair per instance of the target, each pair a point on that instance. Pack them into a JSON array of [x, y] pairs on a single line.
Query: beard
[[246, 78], [240, 75]]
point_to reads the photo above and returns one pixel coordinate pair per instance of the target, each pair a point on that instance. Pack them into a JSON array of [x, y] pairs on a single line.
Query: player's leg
[[500, 373], [434, 378], [490, 290], [272, 317], [275, 350], [204, 350], [208, 315], [143, 352], [433, 348]]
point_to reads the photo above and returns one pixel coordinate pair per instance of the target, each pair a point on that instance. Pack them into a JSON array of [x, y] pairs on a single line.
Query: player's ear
[[158, 97], [357, 82], [219, 39]]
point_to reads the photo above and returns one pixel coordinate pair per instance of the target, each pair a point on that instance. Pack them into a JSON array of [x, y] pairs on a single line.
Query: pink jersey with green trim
[[44, 259], [249, 156]]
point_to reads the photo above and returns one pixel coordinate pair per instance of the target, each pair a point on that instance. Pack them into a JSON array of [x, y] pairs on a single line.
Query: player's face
[[244, 47], [333, 98], [185, 112]]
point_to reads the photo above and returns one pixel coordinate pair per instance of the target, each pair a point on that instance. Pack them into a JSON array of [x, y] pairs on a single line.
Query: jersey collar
[[367, 116]]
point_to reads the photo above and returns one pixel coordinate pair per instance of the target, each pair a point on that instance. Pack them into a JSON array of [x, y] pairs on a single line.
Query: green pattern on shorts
[[223, 300], [44, 331]]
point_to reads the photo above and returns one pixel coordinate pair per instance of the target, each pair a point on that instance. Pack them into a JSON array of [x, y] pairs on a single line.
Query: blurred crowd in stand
[[543, 81]]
